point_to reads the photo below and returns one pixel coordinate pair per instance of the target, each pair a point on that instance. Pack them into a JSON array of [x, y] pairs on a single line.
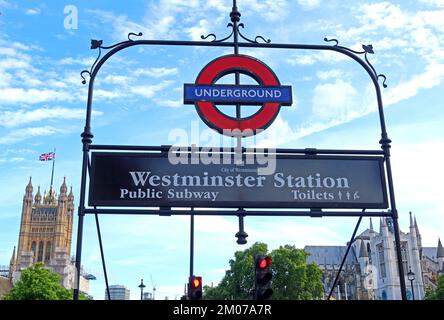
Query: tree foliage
[[437, 294], [38, 283], [293, 278]]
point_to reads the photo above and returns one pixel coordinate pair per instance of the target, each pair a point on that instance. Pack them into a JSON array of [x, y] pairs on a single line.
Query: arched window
[[48, 251], [40, 256], [34, 249]]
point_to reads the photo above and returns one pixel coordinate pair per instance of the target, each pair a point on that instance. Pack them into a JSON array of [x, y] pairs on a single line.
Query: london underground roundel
[[205, 94]]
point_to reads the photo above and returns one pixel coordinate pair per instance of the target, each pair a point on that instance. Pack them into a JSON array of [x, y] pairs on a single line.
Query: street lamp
[[411, 277], [141, 286]]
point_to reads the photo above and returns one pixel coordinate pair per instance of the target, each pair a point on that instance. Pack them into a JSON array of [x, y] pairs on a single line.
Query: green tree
[[38, 283], [437, 294], [293, 278]]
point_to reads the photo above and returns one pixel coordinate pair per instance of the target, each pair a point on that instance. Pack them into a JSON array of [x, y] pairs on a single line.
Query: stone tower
[[46, 225]]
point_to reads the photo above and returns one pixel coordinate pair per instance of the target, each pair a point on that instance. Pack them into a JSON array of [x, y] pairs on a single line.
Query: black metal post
[[235, 18], [141, 286], [105, 274], [413, 292], [345, 257], [78, 254], [53, 164], [241, 235], [192, 242]]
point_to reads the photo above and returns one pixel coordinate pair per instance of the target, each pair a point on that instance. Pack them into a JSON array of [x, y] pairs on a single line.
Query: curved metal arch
[[385, 142]]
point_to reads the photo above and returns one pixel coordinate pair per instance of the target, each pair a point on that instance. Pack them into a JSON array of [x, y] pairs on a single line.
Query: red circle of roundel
[[244, 64]]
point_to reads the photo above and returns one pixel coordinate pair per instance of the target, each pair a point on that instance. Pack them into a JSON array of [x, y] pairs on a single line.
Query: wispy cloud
[[11, 160], [27, 133], [33, 11], [148, 91], [309, 4], [156, 72], [32, 96], [10, 119]]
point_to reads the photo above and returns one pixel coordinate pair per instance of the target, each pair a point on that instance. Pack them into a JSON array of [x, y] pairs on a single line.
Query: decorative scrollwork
[[330, 40], [220, 40], [134, 34], [83, 77], [383, 81], [249, 40], [367, 49], [98, 44], [95, 44]]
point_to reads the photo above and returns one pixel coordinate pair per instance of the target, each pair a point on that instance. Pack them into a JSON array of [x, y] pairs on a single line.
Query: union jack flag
[[47, 156]]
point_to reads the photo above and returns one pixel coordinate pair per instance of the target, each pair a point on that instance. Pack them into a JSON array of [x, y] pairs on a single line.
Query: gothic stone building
[[46, 233], [370, 271]]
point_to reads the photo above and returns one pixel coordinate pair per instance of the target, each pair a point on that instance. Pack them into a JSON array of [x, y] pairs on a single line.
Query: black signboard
[[142, 179]]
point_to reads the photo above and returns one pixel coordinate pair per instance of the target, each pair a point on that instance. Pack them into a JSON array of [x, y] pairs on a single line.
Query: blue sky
[[138, 100]]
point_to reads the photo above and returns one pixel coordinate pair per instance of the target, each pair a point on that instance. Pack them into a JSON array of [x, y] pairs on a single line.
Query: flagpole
[[53, 163]]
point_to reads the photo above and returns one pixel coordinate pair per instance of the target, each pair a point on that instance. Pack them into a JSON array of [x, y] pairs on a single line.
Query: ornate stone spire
[[371, 225], [440, 251], [418, 235], [38, 196], [63, 188], [29, 186], [70, 195]]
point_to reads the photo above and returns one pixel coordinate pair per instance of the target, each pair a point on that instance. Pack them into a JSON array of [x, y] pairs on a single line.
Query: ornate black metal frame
[[259, 42]]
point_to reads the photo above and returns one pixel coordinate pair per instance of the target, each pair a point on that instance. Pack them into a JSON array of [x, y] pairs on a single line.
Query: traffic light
[[262, 276], [195, 288]]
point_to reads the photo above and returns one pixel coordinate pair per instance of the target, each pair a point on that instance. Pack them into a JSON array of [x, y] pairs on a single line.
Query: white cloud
[[6, 4], [272, 10], [108, 94], [155, 72], [116, 79], [309, 4], [329, 74], [385, 14], [307, 59], [417, 181], [334, 100], [77, 61], [13, 63], [11, 160], [439, 3], [27, 133], [171, 103], [431, 77], [12, 119], [32, 11], [32, 96], [197, 31], [148, 91]]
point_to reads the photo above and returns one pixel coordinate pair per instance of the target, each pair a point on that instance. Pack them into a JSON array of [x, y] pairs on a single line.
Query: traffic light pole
[[191, 242]]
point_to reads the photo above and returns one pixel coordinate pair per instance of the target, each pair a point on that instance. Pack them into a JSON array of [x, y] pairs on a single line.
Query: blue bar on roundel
[[237, 94]]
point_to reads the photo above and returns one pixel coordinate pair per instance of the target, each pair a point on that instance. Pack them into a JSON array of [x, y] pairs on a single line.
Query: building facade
[[371, 272], [118, 292], [45, 235]]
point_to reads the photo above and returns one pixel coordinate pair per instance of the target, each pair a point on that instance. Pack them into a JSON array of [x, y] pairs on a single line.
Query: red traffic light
[[195, 288], [264, 262], [196, 282]]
